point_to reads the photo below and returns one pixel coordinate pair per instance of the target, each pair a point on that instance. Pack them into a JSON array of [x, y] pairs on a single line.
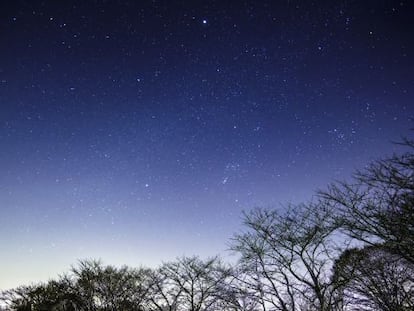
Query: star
[[154, 118]]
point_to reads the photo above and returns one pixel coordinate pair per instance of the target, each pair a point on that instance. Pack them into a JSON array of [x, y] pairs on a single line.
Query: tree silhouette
[[286, 257], [378, 206], [190, 284], [374, 279]]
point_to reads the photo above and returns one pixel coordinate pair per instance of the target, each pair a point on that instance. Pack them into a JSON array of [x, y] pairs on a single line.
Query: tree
[[190, 284], [377, 209], [90, 286], [101, 287], [20, 298], [163, 295], [374, 279], [378, 206], [286, 257], [52, 295]]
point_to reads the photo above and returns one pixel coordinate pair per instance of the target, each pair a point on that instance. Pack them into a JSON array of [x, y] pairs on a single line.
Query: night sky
[[138, 131]]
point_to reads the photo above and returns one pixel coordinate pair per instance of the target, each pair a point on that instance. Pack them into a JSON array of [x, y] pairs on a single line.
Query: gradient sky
[[138, 131]]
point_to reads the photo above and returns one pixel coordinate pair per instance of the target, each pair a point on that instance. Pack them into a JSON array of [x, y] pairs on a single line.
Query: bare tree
[[378, 205], [374, 279], [53, 295], [90, 286], [20, 298], [108, 288], [190, 284], [377, 209], [163, 295], [245, 290], [287, 257]]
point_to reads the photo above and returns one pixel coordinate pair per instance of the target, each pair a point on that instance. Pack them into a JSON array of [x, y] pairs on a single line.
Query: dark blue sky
[[137, 131]]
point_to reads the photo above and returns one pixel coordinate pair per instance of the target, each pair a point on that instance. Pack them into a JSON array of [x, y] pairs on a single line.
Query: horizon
[[137, 133]]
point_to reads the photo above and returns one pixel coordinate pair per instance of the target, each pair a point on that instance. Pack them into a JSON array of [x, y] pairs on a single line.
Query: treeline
[[352, 248]]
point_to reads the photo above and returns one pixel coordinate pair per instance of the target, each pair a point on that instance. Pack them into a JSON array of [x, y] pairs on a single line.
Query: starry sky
[[138, 131]]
